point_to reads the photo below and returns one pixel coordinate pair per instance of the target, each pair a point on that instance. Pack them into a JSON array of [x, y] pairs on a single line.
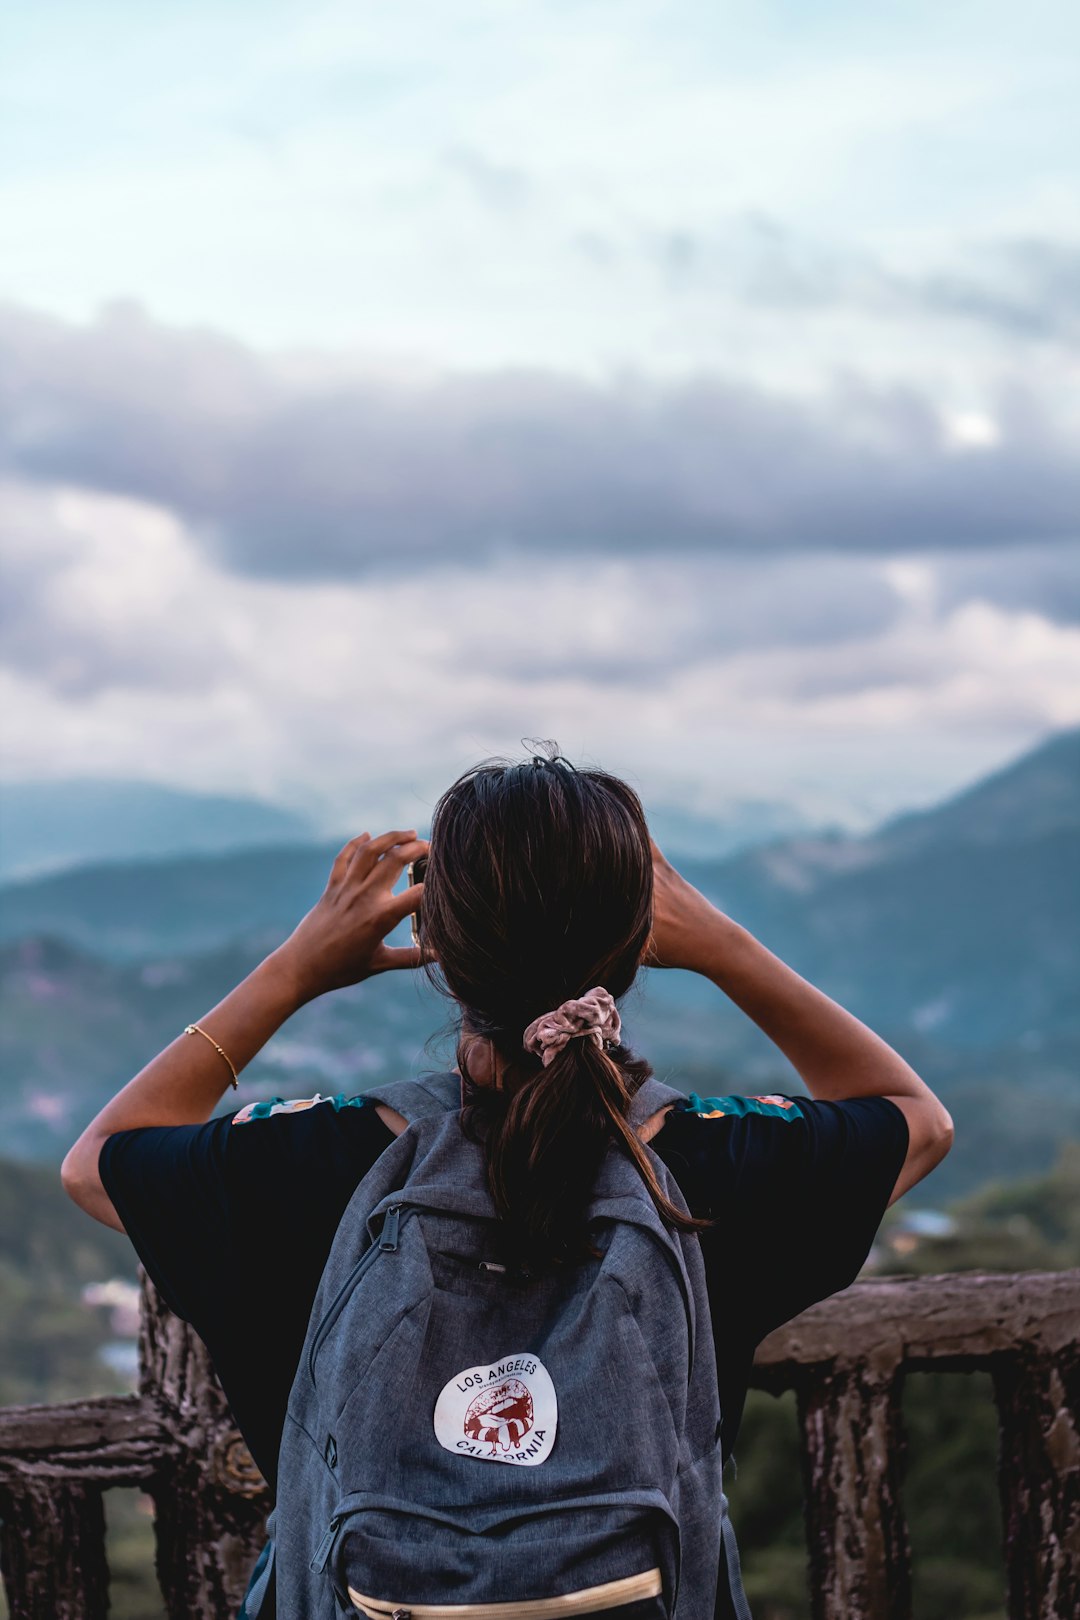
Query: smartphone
[[414, 873]]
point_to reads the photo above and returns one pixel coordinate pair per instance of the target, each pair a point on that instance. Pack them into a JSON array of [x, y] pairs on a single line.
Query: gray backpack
[[458, 1434]]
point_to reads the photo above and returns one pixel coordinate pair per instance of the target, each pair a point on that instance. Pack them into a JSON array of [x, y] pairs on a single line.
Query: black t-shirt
[[234, 1219]]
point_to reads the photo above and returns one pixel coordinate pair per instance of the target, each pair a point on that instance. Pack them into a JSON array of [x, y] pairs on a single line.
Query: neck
[[480, 1058]]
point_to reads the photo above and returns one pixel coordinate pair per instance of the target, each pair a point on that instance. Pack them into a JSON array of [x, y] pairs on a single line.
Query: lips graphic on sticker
[[504, 1411]]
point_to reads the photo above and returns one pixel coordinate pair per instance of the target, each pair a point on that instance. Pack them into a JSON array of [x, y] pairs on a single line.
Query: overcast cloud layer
[[306, 478], [695, 384], [850, 685]]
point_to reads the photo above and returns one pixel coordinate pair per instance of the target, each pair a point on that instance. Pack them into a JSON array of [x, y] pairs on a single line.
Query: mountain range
[[47, 826], [952, 931]]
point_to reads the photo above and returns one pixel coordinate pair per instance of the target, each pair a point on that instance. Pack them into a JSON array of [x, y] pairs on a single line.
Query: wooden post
[[1038, 1399], [844, 1356], [52, 1548], [211, 1504], [860, 1559]]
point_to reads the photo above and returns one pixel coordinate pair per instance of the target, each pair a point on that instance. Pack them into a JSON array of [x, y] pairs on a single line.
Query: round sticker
[[505, 1412]]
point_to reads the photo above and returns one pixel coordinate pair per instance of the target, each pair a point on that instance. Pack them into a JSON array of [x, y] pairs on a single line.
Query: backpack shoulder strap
[[418, 1099], [652, 1095]]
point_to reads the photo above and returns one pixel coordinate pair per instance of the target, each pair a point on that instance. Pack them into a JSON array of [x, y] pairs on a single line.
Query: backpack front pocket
[[389, 1551], [385, 1243]]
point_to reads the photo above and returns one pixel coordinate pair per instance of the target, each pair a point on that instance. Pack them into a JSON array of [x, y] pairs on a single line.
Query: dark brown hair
[[539, 885]]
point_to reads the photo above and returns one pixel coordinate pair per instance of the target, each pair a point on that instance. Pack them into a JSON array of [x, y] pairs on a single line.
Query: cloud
[[356, 704], [839, 683], [502, 187], [107, 591], [103, 592], [627, 625], [1025, 289], [1043, 579], [355, 474]]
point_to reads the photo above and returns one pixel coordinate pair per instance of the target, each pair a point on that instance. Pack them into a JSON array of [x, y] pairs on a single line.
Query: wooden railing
[[845, 1358]]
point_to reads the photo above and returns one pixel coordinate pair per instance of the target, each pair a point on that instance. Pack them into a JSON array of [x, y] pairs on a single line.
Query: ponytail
[[539, 883], [545, 1135]]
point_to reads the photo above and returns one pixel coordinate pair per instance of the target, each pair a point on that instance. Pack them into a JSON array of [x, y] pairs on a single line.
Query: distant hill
[[741, 824], [964, 952], [74, 1028], [138, 909], [1037, 796], [46, 826], [958, 922], [49, 1250], [196, 902]]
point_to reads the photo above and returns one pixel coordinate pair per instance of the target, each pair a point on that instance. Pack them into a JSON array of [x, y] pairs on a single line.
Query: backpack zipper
[[387, 1244], [326, 1545], [360, 1502], [388, 1237]]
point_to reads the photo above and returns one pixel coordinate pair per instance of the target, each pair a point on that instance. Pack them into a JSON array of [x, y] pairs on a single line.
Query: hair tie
[[593, 1015]]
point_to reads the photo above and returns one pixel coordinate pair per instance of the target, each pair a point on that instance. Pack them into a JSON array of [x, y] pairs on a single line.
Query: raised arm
[[339, 942], [836, 1055]]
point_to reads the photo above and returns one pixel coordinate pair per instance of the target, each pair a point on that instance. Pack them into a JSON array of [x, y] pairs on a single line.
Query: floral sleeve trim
[[268, 1106], [737, 1107]]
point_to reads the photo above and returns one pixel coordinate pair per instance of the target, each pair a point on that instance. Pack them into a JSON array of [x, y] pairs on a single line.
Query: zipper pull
[[322, 1551], [389, 1239]]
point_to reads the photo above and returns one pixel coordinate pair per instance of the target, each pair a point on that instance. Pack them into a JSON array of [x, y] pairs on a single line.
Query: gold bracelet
[[194, 1029]]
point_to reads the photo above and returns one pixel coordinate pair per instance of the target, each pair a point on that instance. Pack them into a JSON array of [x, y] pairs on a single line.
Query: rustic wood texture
[[113, 1440], [211, 1507], [52, 1548], [1039, 1405], [960, 1322], [845, 1358], [175, 1439], [855, 1529]]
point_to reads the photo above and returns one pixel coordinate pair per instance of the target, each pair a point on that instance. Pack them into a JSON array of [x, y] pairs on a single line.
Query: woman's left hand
[[341, 940]]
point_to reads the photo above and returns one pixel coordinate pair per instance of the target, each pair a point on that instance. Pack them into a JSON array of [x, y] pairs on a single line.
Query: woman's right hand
[[682, 918], [341, 941]]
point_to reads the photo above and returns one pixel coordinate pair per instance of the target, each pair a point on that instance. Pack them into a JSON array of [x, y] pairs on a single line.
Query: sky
[[696, 384]]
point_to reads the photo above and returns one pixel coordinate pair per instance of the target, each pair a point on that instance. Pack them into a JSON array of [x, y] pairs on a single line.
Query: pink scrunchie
[[593, 1015]]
